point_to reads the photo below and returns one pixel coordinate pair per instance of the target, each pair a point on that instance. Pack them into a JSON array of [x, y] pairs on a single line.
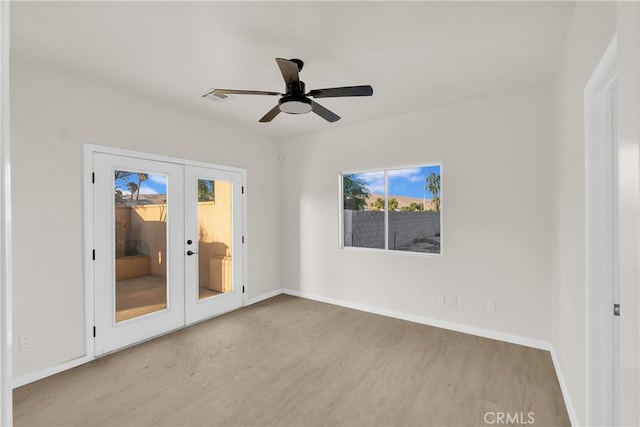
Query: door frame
[[602, 377], [88, 193]]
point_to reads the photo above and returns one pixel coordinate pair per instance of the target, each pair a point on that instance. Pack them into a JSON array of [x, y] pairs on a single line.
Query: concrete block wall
[[405, 227], [365, 229]]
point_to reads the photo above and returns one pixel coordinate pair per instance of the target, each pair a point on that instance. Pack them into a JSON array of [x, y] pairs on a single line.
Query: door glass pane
[[214, 238], [140, 243]]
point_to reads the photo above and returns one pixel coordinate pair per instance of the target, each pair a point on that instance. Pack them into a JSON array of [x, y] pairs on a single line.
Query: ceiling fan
[[295, 100]]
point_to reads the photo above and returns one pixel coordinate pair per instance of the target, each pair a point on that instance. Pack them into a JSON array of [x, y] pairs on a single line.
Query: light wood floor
[[292, 362]]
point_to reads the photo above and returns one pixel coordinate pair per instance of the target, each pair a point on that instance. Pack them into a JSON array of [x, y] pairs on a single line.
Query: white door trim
[[600, 239]]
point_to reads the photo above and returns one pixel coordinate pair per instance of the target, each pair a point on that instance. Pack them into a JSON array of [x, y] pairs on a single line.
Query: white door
[[139, 262], [213, 275], [168, 247]]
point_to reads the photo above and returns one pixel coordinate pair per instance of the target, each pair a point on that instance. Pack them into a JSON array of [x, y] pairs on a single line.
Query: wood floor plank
[[292, 362]]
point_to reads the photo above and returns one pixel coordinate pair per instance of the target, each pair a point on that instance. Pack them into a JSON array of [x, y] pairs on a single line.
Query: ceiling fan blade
[[271, 114], [240, 92], [289, 70], [342, 91], [324, 113]]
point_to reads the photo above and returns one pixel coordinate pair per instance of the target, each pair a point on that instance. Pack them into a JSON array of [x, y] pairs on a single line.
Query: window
[[392, 209]]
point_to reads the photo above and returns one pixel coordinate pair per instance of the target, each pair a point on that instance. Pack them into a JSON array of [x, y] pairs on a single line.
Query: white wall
[[496, 214], [592, 28], [53, 114], [6, 394], [629, 208]]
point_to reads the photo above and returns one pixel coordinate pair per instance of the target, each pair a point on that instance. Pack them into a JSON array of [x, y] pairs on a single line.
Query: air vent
[[218, 98]]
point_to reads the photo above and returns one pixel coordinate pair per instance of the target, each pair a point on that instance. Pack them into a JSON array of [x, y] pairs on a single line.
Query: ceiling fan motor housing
[[296, 88], [295, 101]]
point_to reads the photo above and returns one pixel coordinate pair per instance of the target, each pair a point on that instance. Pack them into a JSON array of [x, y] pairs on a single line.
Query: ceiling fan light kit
[[294, 104], [295, 100]]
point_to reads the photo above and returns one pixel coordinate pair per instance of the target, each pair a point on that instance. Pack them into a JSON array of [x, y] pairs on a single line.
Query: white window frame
[[386, 249]]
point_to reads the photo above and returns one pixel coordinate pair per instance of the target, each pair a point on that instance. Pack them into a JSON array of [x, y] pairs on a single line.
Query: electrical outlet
[[453, 300], [440, 298], [491, 306], [26, 341]]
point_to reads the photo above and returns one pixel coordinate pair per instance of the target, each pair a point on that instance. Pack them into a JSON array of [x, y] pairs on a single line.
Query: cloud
[[371, 175], [158, 179], [145, 189], [404, 172], [412, 174], [416, 178], [408, 178], [374, 180]]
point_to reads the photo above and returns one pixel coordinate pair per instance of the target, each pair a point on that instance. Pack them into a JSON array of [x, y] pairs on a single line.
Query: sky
[[408, 182], [155, 184]]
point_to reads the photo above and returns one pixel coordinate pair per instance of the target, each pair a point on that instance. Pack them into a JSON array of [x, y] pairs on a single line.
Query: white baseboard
[[264, 296], [563, 387], [486, 333], [47, 372]]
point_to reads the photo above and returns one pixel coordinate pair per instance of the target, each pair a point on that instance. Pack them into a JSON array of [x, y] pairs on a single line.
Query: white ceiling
[[415, 54]]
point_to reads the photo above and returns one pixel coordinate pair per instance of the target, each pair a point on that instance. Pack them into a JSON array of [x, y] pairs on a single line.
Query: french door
[[168, 247], [213, 244]]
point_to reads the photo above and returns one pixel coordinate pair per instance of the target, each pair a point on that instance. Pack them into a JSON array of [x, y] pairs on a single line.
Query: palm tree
[[133, 187], [121, 175], [118, 195], [355, 192], [206, 190], [412, 207], [120, 179], [393, 204], [378, 205], [433, 184], [142, 177]]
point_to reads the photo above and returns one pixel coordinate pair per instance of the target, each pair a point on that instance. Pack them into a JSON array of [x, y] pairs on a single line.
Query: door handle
[[191, 253]]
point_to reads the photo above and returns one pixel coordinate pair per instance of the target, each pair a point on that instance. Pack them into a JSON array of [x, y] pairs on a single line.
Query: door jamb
[[599, 177]]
